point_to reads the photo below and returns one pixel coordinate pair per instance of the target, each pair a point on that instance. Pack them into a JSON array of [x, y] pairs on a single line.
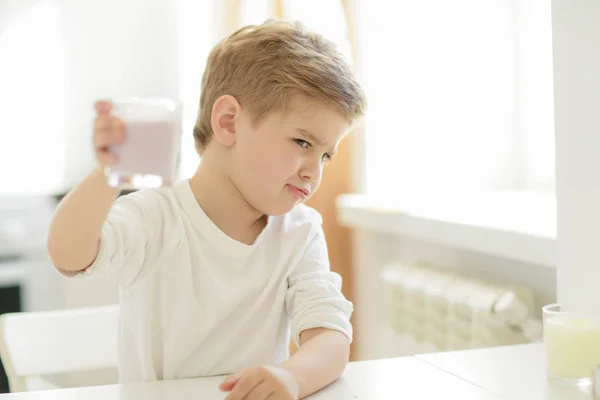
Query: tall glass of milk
[[148, 157], [572, 344]]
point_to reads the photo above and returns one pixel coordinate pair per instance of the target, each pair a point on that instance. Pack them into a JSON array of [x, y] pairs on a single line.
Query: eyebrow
[[311, 137]]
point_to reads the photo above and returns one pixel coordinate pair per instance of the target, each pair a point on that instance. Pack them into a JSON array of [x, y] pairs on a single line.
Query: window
[[33, 103], [459, 95], [535, 97]]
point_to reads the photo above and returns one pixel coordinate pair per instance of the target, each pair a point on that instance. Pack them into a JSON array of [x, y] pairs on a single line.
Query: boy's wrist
[[292, 379], [99, 176]]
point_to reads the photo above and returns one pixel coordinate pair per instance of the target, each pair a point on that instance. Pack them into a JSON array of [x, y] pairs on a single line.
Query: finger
[[103, 107], [262, 391], [230, 382], [102, 123], [244, 386], [108, 133], [106, 158], [108, 123], [106, 139]]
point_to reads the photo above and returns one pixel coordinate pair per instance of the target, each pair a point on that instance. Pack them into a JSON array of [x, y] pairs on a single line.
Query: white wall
[[576, 37]]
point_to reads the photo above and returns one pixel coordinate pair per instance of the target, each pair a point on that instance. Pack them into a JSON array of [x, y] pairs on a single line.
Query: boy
[[217, 271]]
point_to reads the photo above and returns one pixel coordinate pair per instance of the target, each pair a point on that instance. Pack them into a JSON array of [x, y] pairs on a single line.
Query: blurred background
[[439, 210]]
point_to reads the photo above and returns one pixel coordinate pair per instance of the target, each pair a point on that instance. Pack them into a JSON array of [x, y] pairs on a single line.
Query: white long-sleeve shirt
[[195, 302]]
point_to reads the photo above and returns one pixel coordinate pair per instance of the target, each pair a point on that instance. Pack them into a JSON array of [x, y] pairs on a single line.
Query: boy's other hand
[[108, 131], [261, 382]]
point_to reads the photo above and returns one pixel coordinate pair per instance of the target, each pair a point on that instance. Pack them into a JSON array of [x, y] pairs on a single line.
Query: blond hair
[[263, 66]]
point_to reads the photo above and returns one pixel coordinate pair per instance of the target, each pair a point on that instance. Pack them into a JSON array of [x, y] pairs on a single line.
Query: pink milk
[[149, 155]]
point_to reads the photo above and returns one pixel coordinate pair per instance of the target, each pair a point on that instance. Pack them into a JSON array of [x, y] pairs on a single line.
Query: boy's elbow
[[54, 251], [64, 258], [59, 259]]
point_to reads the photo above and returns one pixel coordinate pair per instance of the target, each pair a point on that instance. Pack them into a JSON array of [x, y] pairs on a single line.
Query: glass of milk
[[572, 344], [148, 157]]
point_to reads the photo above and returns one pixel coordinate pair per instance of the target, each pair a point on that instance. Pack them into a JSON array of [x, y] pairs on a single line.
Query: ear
[[223, 119]]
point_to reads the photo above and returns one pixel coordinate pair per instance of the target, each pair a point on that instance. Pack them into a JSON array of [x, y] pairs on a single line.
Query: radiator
[[428, 310]]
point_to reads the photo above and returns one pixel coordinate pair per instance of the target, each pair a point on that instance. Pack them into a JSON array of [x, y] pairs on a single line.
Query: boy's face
[[278, 162]]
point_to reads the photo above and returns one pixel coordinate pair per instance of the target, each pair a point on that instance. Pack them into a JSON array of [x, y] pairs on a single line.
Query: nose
[[311, 170]]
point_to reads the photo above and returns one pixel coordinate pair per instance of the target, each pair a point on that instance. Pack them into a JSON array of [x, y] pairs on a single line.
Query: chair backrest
[[47, 343]]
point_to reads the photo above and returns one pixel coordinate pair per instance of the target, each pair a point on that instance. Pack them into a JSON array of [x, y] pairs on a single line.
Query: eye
[[302, 143], [326, 158]]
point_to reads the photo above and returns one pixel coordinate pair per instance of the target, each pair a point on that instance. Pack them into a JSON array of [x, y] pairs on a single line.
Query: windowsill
[[516, 225]]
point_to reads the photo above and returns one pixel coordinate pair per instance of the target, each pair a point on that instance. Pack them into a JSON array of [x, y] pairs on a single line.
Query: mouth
[[301, 193]]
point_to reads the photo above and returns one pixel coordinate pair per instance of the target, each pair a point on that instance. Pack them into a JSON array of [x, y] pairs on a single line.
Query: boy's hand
[[262, 382], [108, 131]]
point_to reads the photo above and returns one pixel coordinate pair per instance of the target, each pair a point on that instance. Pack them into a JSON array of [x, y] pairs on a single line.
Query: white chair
[[37, 345]]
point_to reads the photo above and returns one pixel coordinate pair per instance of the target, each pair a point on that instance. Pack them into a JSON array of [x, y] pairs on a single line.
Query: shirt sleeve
[[123, 240], [314, 298]]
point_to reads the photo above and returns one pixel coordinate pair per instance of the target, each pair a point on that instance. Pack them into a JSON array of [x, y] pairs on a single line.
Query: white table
[[511, 373], [400, 378]]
